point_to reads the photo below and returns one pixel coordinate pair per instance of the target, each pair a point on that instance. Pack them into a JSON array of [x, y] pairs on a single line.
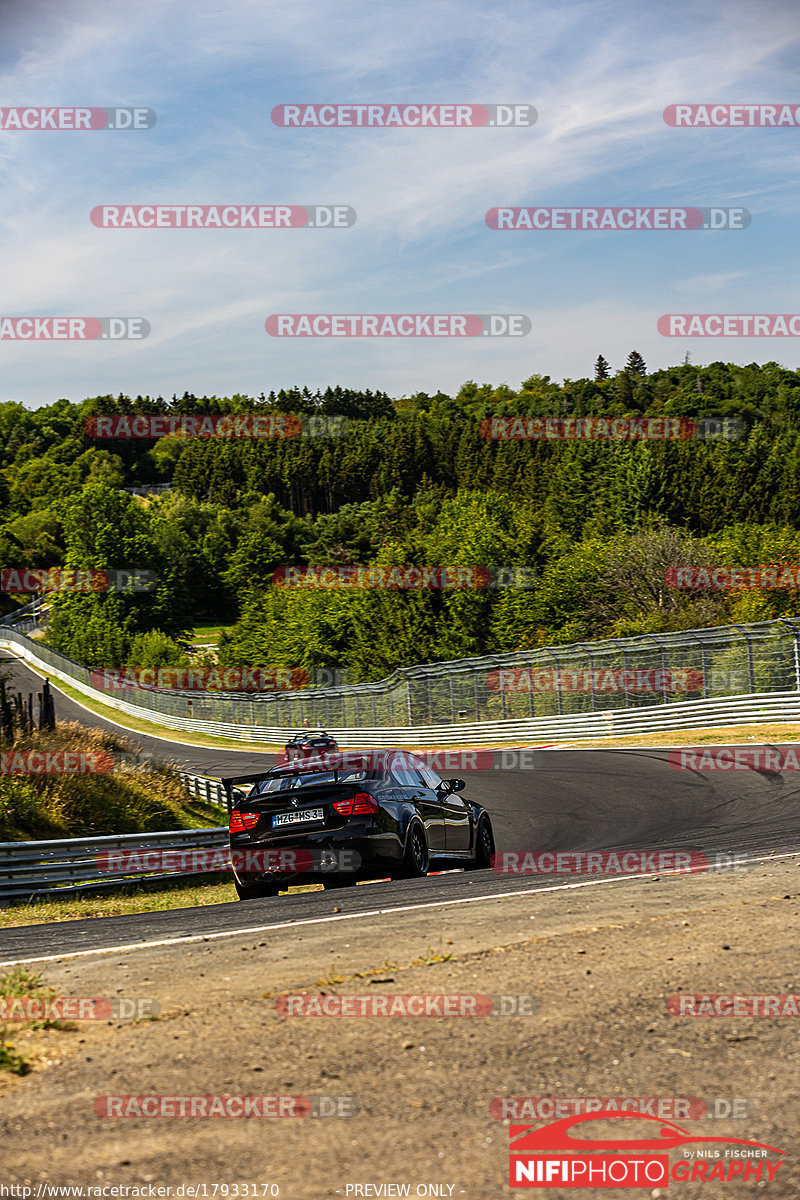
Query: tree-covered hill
[[410, 481]]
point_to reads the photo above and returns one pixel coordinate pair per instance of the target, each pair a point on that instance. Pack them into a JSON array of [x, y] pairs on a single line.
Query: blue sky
[[599, 74]]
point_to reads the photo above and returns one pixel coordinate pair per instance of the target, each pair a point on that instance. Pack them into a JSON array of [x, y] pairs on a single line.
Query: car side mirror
[[455, 785]]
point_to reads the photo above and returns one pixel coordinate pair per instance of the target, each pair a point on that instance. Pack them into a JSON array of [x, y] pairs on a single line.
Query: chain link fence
[[552, 681]]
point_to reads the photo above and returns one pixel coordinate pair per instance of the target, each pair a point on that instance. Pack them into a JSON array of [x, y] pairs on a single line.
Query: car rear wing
[[296, 766], [229, 785]]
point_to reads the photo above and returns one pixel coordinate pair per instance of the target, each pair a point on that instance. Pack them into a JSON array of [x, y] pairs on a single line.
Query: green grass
[[129, 798], [208, 633], [22, 982], [130, 898]]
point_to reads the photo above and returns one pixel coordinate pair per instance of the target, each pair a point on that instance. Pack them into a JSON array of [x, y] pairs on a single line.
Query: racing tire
[[416, 860], [484, 846], [254, 891]]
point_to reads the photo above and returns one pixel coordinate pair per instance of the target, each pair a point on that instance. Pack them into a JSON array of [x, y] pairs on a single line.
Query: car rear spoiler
[[230, 782], [298, 764]]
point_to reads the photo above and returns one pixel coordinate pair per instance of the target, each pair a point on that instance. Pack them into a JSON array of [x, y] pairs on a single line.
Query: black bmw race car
[[350, 816]]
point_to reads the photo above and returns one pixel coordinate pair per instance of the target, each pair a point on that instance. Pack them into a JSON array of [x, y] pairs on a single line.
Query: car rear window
[[299, 779]]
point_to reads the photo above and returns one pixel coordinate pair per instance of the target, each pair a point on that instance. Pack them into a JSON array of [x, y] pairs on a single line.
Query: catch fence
[[571, 681]]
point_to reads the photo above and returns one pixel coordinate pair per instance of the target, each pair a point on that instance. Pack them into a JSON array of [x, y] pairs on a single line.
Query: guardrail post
[[591, 677], [795, 635], [559, 694], [750, 670], [664, 668]]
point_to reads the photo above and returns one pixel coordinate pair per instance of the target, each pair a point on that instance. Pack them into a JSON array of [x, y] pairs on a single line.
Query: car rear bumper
[[373, 850]]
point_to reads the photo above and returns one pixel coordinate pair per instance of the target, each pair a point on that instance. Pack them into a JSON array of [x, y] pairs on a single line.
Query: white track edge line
[[375, 912]]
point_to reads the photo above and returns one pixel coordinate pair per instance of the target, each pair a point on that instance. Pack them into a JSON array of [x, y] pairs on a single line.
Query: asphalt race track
[[551, 800]]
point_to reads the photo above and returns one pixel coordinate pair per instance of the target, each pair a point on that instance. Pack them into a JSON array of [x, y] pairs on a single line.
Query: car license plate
[[295, 818]]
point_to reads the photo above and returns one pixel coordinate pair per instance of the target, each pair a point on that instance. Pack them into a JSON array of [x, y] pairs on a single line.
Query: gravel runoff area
[[601, 962]]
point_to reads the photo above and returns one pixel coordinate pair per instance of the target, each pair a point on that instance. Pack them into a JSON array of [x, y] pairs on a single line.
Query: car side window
[[432, 780], [404, 775]]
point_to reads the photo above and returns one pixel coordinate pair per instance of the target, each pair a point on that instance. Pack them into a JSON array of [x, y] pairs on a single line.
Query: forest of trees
[[411, 481]]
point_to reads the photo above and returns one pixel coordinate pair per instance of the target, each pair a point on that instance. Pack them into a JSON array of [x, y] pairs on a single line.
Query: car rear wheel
[[415, 859], [254, 891], [484, 846]]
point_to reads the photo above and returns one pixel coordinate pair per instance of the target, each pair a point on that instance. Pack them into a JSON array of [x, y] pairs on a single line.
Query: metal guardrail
[[75, 864], [69, 865], [27, 617], [204, 788]]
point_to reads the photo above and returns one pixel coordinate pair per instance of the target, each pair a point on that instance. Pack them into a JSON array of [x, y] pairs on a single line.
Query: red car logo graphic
[[556, 1136]]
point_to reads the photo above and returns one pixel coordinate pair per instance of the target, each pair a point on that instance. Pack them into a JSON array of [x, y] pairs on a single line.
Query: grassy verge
[[728, 735], [208, 633], [128, 899], [119, 796], [20, 982]]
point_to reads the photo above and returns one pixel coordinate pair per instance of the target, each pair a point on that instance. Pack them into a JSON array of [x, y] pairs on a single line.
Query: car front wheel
[[484, 846]]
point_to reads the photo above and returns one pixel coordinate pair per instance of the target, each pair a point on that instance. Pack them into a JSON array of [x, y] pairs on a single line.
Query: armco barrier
[[204, 788], [68, 865], [765, 654]]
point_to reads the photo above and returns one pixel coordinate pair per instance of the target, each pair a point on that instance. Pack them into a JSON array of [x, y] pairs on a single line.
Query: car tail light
[[359, 805], [240, 822]]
